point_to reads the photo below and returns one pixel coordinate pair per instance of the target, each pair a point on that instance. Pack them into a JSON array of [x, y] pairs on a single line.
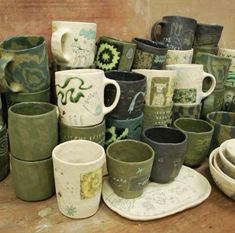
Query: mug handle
[[117, 97], [212, 87], [56, 45], [5, 83], [154, 35]]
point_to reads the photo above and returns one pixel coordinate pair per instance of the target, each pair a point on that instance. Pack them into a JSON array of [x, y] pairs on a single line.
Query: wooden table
[[216, 214]]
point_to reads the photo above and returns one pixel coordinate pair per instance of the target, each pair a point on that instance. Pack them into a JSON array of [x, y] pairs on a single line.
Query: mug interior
[[124, 76]]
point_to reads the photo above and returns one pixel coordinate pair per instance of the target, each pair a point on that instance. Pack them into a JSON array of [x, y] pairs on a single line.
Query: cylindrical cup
[[129, 164], [179, 57], [170, 146], [78, 177], [33, 130]]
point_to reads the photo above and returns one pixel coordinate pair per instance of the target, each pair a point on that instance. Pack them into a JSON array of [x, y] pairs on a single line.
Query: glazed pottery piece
[[215, 65], [149, 54], [39, 96], [179, 56], [229, 98], [33, 130], [32, 180], [230, 150], [223, 182], [114, 54], [133, 89], [154, 115], [24, 64], [204, 49], [73, 43], [199, 134], [78, 177], [80, 96], [189, 82], [170, 146], [95, 133], [4, 157], [224, 127], [129, 164], [123, 129], [189, 189], [207, 34], [186, 111], [177, 32], [160, 86]]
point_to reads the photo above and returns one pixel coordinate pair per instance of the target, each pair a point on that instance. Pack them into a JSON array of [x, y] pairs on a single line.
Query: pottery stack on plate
[[222, 167]]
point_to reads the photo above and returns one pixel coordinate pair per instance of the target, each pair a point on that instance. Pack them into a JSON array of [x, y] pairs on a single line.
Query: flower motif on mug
[[71, 210]]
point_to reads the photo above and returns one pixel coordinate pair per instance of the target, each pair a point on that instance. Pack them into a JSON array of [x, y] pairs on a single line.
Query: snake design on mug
[[72, 98]]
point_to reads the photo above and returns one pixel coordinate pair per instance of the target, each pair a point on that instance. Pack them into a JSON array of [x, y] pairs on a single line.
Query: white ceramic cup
[[80, 96], [189, 82], [78, 177], [160, 86], [73, 43], [179, 56]]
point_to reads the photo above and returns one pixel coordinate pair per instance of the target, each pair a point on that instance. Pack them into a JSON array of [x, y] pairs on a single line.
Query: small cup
[[95, 133], [230, 150], [179, 57], [129, 164], [199, 134], [224, 127], [149, 54], [78, 177], [32, 181], [4, 156], [123, 129], [170, 146], [114, 54]]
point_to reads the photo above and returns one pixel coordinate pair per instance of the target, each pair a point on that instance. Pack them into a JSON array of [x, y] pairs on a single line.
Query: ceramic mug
[[189, 82], [133, 89], [149, 54], [4, 156], [207, 34], [170, 146], [160, 86], [215, 65], [204, 49], [73, 43], [80, 96], [179, 56], [229, 98], [199, 134], [177, 32], [95, 133], [24, 64], [129, 164], [78, 177], [32, 180], [33, 130], [114, 54]]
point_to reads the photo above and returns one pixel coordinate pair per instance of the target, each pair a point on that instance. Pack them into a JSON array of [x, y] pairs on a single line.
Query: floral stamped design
[[71, 210], [90, 183], [142, 60], [185, 95]]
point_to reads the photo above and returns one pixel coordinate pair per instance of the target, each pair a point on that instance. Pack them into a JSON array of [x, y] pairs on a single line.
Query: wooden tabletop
[[216, 214]]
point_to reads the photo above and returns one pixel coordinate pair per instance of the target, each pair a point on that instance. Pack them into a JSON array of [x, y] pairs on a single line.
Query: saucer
[[189, 189]]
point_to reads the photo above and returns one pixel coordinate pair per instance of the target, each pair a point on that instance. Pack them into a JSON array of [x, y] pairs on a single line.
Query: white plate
[[188, 189]]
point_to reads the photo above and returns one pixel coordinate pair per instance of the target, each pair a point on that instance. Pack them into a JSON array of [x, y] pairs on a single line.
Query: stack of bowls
[[222, 167]]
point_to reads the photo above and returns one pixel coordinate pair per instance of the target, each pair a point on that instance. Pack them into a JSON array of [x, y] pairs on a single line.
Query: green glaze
[[156, 115], [142, 60], [224, 127], [129, 164], [33, 130], [92, 133], [199, 134], [32, 181], [4, 157], [24, 64], [204, 49]]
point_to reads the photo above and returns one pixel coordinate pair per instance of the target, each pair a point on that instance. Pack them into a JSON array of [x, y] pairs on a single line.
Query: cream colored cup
[[179, 57]]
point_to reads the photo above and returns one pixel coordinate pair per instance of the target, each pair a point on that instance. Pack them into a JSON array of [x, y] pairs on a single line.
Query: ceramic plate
[[189, 189]]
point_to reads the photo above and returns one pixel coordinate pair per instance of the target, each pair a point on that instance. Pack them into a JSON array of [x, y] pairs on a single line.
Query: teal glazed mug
[[24, 64]]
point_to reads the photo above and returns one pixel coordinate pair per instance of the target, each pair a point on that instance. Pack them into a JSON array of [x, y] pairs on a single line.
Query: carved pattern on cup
[[113, 134], [185, 95], [142, 60]]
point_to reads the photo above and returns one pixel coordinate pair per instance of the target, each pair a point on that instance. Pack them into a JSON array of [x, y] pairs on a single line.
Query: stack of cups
[[33, 133], [25, 72], [125, 120], [159, 94]]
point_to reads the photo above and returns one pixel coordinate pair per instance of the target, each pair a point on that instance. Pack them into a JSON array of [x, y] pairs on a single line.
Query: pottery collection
[[141, 112]]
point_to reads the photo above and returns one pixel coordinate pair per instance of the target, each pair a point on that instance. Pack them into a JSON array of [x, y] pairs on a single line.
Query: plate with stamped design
[[189, 189]]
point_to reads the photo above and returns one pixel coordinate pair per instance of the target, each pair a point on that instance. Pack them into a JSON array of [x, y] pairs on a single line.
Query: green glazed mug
[[204, 49], [24, 64]]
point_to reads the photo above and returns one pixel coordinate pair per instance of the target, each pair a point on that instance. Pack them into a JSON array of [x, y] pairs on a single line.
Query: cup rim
[[214, 56], [208, 116], [73, 22], [80, 71], [152, 71], [185, 66]]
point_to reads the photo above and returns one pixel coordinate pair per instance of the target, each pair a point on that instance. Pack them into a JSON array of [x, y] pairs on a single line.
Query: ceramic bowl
[[224, 183], [227, 166], [230, 150]]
